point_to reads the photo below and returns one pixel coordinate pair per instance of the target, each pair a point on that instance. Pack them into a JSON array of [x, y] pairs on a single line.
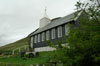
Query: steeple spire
[[45, 20], [45, 15]]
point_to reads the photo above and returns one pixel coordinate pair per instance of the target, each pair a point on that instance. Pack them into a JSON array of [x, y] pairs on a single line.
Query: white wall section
[[41, 49]]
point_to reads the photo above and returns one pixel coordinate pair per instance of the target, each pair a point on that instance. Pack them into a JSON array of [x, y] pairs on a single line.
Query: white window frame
[[38, 37], [59, 30], [43, 36], [53, 35], [32, 42], [47, 35], [67, 29]]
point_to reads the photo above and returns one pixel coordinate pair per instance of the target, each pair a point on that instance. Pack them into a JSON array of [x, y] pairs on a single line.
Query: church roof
[[57, 22]]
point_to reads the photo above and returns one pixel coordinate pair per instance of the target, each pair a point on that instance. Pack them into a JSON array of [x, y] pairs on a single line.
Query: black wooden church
[[53, 30]]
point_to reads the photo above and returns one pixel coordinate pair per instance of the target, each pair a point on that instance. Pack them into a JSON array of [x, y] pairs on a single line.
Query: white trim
[[79, 14], [42, 49]]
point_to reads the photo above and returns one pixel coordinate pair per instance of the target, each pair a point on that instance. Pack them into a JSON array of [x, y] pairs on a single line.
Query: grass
[[42, 59]]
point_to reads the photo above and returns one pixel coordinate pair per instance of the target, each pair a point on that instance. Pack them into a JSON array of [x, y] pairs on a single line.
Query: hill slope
[[15, 45]]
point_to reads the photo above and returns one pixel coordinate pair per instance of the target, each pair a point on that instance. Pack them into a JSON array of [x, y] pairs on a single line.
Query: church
[[53, 30]]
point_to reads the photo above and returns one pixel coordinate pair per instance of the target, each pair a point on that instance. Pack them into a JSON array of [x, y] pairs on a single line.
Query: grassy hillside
[[15, 45]]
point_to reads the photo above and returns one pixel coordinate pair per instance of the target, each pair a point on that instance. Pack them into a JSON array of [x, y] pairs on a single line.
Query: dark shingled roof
[[57, 22]]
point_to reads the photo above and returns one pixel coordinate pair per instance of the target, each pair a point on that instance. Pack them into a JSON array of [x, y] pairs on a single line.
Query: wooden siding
[[44, 43]]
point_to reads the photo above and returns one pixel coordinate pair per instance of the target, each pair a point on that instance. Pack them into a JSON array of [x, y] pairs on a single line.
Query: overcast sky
[[18, 18]]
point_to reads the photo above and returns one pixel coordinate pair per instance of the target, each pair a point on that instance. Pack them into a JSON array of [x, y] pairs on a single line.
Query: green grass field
[[42, 59], [17, 61]]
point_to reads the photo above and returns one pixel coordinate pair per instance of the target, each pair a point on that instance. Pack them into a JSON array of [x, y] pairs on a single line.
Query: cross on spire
[[45, 15]]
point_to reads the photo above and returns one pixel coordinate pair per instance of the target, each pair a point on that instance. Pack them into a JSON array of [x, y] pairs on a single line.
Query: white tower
[[45, 20]]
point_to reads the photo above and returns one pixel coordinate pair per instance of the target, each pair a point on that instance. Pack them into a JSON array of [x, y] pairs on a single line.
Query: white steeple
[[45, 20]]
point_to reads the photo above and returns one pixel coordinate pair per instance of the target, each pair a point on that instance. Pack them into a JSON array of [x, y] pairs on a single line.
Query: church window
[[53, 33], [35, 40], [38, 37], [43, 36], [67, 29], [47, 35], [59, 30], [31, 42]]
